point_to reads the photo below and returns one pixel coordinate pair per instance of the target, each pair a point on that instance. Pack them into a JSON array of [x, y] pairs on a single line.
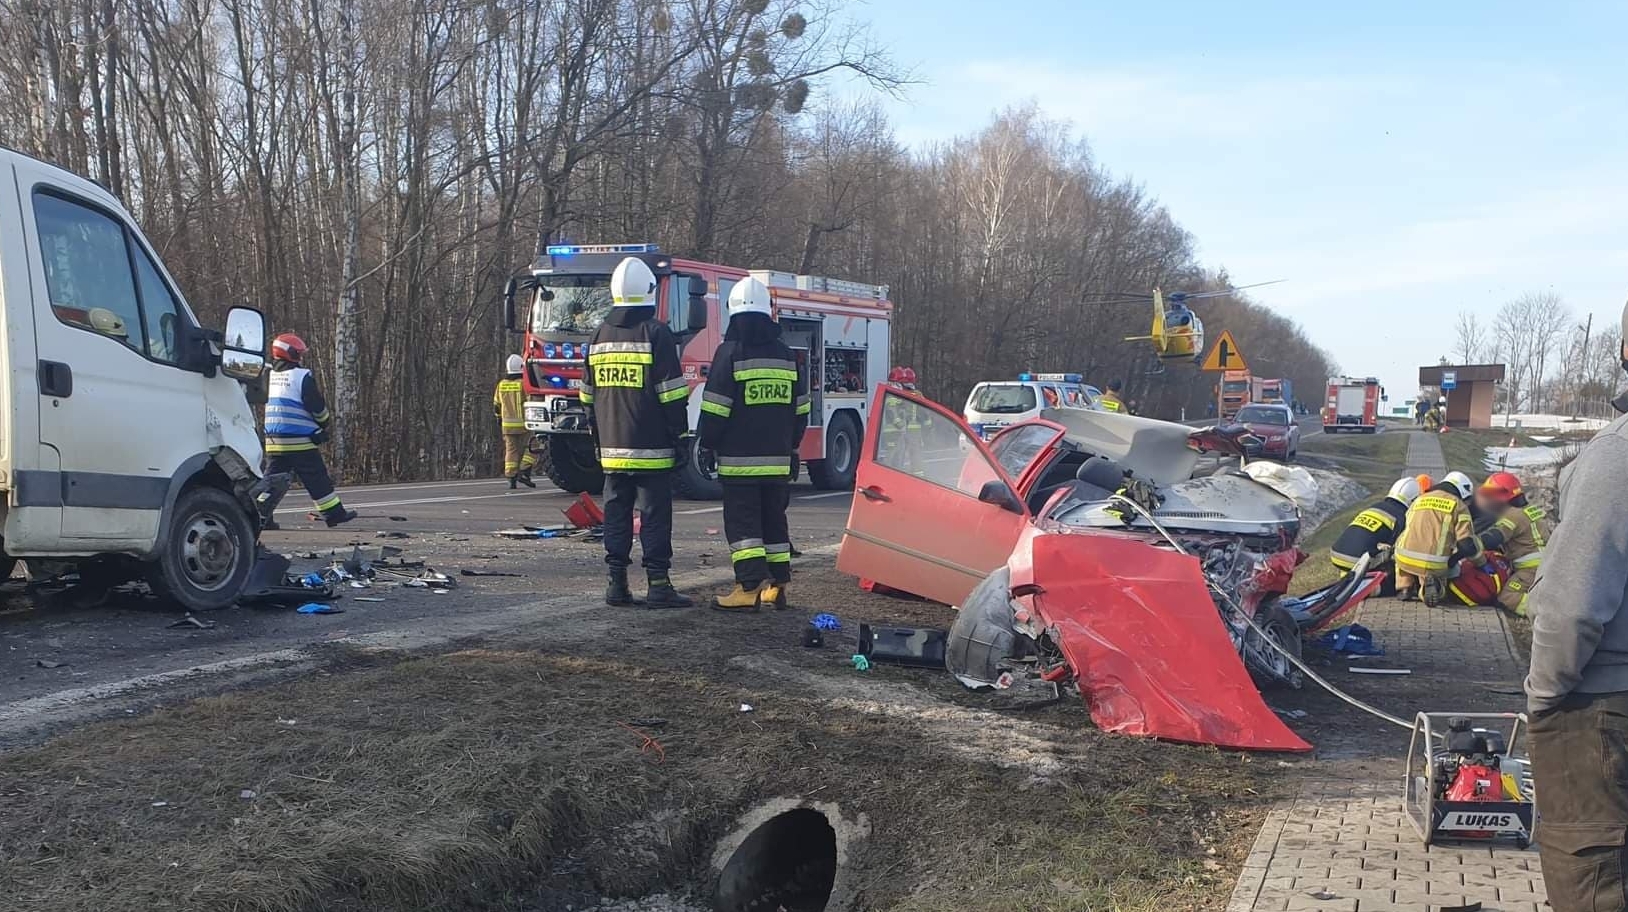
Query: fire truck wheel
[[842, 441], [571, 464], [698, 476]]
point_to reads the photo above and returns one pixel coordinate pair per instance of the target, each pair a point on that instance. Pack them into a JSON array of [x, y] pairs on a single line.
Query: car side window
[[678, 311], [161, 313], [926, 444], [87, 270], [1016, 448]]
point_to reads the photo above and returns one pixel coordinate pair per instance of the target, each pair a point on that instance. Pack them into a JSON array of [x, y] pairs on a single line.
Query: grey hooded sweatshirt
[[1579, 619]]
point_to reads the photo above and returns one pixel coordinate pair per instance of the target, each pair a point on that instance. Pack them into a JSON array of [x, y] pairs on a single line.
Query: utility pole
[[1586, 365]]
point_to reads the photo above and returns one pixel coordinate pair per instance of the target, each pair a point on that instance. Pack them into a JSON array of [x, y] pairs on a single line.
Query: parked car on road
[[1274, 424]]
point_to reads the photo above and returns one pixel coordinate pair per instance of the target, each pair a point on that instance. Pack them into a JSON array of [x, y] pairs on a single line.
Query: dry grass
[[507, 780]]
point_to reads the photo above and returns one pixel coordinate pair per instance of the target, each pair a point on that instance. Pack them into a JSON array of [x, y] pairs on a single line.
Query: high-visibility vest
[[289, 423], [508, 402]]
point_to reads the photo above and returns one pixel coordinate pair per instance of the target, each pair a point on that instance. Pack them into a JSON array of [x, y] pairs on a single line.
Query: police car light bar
[[1065, 378], [573, 249]]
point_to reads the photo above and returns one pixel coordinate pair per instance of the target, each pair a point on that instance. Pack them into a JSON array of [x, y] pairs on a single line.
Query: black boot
[[269, 525], [663, 595], [617, 593], [525, 478], [514, 482], [338, 516]]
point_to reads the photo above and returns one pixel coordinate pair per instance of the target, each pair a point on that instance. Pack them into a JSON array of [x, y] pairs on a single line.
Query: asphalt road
[[58, 658]]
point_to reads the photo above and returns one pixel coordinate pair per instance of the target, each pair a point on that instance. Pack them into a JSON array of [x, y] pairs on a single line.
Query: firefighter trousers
[[652, 493], [517, 456], [306, 466], [1579, 752], [759, 536]]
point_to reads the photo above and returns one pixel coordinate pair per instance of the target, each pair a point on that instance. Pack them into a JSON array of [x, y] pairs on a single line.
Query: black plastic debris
[[813, 637], [487, 573], [193, 622], [919, 646]]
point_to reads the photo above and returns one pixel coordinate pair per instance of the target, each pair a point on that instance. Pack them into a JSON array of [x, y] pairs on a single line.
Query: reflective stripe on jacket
[[1111, 402], [755, 407], [635, 390], [295, 409], [1523, 540], [1434, 526], [1375, 526], [509, 404]]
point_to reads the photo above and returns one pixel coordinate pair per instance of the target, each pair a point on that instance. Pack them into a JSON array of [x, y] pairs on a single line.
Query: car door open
[[933, 512]]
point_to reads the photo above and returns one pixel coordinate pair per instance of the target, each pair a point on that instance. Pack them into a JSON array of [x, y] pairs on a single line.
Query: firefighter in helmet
[[1374, 531], [297, 422], [753, 414], [1436, 535], [636, 396], [900, 443], [508, 404], [1515, 534]]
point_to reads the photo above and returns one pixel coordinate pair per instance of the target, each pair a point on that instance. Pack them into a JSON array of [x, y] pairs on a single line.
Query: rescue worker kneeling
[[1436, 535], [1515, 537], [753, 413], [1373, 532]]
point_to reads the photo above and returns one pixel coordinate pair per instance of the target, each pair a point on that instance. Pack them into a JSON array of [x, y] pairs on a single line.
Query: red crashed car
[[1275, 426], [1081, 548]]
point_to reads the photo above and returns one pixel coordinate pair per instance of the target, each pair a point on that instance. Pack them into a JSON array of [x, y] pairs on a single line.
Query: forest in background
[[370, 172]]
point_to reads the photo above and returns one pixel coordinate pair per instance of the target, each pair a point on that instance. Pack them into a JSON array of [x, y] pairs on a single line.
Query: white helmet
[[1461, 482], [1405, 489], [633, 284], [749, 296], [515, 365]]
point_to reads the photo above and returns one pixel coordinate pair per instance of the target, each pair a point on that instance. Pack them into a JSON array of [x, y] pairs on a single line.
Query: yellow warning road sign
[[1225, 356]]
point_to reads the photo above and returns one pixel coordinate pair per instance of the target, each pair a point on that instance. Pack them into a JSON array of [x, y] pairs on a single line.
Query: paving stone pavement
[[1348, 840]]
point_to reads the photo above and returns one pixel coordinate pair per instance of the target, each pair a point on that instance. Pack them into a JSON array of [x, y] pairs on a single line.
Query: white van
[[995, 404], [125, 431]]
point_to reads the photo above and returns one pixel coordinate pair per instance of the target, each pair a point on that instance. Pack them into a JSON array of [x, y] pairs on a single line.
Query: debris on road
[[918, 646], [813, 637], [584, 513], [467, 572], [383, 534], [826, 621], [861, 663], [47, 663], [1352, 639], [193, 622], [248, 794], [1368, 670], [746, 707], [319, 608]]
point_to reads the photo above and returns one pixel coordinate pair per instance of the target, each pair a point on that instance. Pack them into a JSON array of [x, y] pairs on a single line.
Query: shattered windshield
[[1275, 416], [1002, 399], [570, 303]]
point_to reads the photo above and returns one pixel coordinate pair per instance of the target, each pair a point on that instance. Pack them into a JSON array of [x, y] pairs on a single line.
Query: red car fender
[[1145, 642]]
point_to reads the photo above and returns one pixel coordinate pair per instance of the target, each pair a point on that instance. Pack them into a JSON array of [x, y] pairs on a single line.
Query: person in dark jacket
[[1373, 532], [297, 422], [1577, 688], [753, 415], [635, 392]]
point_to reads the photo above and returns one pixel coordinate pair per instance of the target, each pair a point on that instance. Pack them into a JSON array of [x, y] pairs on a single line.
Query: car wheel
[[1281, 629], [205, 561], [698, 476]]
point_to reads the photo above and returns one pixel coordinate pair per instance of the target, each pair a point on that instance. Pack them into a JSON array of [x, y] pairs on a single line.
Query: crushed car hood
[[1147, 647]]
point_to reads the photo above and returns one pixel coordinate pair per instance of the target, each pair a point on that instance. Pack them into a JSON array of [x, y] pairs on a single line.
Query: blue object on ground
[[312, 580], [826, 622], [861, 663], [1352, 639], [319, 608]]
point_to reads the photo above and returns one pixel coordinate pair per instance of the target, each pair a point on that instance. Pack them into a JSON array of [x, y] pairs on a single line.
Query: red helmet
[[910, 376], [288, 347], [1501, 486], [896, 375]]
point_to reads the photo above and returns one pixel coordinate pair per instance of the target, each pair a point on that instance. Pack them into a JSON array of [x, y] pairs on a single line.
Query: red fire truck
[[1352, 404], [837, 330]]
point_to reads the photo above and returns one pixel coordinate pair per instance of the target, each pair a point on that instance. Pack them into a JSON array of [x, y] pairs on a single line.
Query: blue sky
[[1395, 162]]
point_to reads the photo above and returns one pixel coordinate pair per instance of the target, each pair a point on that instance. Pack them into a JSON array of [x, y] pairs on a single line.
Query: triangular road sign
[[1225, 356]]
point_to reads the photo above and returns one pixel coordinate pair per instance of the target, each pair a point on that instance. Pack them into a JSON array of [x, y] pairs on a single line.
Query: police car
[[994, 404]]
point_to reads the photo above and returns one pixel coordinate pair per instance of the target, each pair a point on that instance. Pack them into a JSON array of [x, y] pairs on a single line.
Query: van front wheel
[[205, 561]]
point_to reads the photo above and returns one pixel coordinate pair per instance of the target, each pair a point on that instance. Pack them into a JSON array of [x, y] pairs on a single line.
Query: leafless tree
[[1471, 343]]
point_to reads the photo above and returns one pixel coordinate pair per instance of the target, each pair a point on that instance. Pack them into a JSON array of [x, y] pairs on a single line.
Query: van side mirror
[[508, 304], [697, 304], [996, 492], [243, 345]]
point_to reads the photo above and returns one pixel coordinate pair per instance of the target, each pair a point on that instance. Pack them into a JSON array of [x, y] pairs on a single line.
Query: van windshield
[[1002, 399]]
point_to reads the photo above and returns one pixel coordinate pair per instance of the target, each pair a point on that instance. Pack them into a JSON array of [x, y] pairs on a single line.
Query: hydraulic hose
[[1281, 650]]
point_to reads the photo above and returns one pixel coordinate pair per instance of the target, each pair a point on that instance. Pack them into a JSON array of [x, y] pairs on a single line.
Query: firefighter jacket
[[1378, 525], [1434, 526], [1516, 535], [509, 404], [755, 407], [635, 391], [1110, 402], [296, 414]]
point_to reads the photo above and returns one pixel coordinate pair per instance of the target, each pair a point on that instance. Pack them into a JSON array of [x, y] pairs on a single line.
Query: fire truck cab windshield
[[570, 303]]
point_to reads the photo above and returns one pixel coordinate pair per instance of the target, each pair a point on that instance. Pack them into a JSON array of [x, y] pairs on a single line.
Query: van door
[[118, 411]]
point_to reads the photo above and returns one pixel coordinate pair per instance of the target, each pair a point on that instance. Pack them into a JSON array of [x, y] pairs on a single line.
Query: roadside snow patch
[[1551, 422], [1517, 458], [1335, 492]]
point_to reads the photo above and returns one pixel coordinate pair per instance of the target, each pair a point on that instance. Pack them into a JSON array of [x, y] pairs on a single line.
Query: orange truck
[[1235, 392]]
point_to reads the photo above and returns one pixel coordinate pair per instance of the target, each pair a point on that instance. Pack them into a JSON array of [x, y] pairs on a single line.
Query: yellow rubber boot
[[773, 594], [740, 600]]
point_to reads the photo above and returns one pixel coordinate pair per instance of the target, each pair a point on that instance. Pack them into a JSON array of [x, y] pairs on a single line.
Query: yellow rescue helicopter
[[1177, 331]]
